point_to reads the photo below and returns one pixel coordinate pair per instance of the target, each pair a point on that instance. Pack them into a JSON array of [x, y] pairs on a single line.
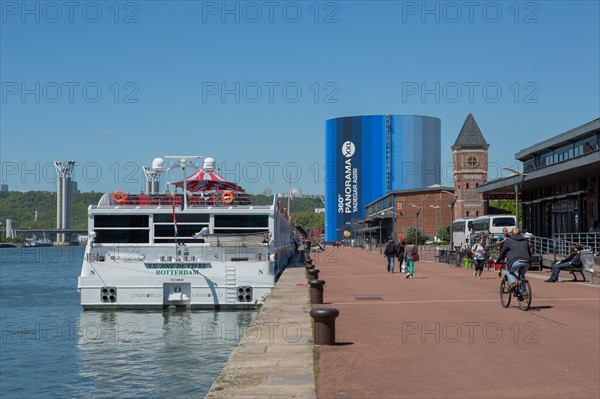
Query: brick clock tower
[[470, 169]]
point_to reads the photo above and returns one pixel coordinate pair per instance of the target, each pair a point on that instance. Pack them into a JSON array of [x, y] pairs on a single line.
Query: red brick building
[[427, 208], [470, 170]]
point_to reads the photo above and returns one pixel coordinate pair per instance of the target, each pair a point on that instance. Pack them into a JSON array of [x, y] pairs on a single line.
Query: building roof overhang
[[559, 140], [551, 175]]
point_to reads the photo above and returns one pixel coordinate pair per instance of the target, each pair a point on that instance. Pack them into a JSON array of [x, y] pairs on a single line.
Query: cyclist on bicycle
[[517, 252]]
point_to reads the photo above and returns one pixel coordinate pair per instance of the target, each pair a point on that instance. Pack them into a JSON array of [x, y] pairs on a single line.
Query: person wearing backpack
[[411, 258], [478, 252], [390, 253]]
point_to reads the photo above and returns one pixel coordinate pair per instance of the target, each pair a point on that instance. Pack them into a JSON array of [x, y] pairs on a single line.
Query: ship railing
[[233, 252], [210, 199]]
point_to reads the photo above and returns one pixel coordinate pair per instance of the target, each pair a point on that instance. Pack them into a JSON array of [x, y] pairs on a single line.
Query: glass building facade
[[369, 156]]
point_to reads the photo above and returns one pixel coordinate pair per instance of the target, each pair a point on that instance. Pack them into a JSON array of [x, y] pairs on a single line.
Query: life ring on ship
[[227, 197], [119, 196]]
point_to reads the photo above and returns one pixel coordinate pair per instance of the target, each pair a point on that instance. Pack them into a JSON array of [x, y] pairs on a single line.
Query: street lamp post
[[452, 216], [394, 232], [380, 247], [517, 186], [436, 207], [416, 223]]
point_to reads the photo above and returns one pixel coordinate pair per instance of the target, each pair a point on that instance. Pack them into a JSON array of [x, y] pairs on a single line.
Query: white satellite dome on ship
[[209, 164], [158, 164]]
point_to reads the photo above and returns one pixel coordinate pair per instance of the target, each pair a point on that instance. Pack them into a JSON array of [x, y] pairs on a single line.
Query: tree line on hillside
[[21, 208], [303, 210]]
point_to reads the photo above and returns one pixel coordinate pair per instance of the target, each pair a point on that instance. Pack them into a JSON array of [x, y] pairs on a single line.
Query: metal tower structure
[[63, 198], [152, 180], [153, 175]]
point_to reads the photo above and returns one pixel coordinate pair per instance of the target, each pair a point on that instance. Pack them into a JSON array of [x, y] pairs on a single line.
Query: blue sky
[[251, 84]]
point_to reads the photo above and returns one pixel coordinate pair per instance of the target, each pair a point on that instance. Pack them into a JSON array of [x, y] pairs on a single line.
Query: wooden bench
[[587, 265]]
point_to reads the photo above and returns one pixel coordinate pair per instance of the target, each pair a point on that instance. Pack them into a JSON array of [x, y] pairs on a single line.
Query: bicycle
[[522, 291]]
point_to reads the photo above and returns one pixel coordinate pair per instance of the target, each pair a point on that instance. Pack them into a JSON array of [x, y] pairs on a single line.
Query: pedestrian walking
[[502, 238], [400, 255], [412, 255], [478, 251], [390, 253]]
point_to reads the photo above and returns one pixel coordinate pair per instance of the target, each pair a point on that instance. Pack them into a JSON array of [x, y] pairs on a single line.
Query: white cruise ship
[[205, 247]]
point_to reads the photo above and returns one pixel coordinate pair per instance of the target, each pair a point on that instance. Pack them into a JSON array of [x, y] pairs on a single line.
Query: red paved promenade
[[444, 334]]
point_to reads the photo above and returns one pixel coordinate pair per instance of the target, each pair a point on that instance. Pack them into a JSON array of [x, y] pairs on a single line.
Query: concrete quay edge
[[275, 357]]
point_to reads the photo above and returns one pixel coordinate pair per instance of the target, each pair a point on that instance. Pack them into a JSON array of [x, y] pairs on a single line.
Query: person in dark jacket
[[400, 254], [573, 260], [390, 253], [517, 252]]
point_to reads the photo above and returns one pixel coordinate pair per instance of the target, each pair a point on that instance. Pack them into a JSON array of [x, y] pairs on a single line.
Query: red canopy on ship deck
[[207, 181]]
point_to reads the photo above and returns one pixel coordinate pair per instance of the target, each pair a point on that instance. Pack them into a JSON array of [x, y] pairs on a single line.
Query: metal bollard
[[308, 267], [316, 291], [313, 274], [324, 325]]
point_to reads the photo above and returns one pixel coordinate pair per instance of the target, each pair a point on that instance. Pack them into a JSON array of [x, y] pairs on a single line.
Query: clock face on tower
[[471, 161]]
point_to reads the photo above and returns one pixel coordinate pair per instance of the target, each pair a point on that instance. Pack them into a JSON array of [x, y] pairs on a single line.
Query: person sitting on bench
[[570, 262]]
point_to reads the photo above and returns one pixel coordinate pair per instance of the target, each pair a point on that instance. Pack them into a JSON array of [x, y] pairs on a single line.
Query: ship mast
[[183, 164]]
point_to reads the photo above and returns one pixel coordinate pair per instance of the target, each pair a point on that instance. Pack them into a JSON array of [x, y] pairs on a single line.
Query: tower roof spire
[[470, 135]]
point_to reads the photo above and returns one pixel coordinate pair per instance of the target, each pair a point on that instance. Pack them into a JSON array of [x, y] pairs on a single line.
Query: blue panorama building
[[369, 156]]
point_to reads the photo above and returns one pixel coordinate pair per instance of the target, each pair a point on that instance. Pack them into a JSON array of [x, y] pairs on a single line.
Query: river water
[[50, 347]]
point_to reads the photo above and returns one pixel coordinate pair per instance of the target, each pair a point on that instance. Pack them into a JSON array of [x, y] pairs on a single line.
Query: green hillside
[[303, 210], [296, 203], [21, 207]]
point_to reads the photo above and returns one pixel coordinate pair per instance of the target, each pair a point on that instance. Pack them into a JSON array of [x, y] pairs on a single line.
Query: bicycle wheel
[[505, 293], [525, 297]]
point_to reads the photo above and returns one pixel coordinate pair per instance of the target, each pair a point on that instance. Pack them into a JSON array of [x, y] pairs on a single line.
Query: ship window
[[241, 221], [239, 231], [182, 218], [121, 220], [122, 236], [183, 230], [180, 240]]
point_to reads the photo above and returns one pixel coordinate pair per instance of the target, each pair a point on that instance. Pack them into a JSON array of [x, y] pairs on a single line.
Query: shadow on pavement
[[538, 308]]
